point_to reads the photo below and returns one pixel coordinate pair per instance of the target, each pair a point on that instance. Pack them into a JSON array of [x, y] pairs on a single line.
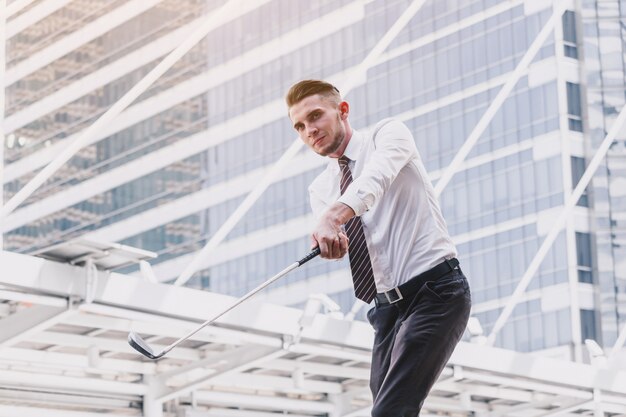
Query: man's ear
[[344, 110]]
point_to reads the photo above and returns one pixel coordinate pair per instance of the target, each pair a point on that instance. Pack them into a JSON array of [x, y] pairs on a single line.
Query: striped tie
[[360, 263]]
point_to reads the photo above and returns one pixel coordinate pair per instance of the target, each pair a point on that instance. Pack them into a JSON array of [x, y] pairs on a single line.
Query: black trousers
[[414, 338]]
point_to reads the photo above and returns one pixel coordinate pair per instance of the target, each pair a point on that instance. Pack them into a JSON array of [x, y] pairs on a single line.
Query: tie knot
[[343, 161]]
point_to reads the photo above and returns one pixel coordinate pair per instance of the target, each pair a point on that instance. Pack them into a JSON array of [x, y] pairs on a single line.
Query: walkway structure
[[63, 325], [63, 352]]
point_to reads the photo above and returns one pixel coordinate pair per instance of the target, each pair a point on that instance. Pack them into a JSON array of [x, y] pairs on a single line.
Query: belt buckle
[[400, 297]]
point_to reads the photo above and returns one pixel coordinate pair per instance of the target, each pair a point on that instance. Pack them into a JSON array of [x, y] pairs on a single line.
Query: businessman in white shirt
[[375, 202]]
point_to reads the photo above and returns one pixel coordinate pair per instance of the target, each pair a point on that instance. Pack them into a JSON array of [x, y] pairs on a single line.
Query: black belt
[[413, 285]]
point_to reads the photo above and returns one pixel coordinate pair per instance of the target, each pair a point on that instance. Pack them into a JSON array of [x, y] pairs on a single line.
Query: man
[[374, 201]]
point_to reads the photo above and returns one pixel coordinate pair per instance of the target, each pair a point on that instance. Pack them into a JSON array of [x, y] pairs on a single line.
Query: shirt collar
[[351, 151], [354, 146]]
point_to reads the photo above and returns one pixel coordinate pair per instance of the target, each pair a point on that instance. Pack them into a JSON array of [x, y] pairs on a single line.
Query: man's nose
[[311, 130]]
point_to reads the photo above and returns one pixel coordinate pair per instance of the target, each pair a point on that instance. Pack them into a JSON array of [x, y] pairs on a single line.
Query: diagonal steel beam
[[199, 32], [23, 324], [351, 81], [75, 38], [508, 410], [619, 343], [34, 15], [213, 360], [566, 408], [558, 224], [495, 105], [245, 358], [3, 60], [13, 8]]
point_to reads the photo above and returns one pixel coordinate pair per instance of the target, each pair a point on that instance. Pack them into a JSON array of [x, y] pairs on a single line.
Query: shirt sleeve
[[394, 149], [318, 205]]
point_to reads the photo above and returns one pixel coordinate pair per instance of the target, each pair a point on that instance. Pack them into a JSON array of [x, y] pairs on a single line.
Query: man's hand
[[329, 235]]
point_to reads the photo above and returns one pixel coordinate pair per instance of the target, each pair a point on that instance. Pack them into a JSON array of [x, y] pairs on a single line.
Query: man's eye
[[315, 116]]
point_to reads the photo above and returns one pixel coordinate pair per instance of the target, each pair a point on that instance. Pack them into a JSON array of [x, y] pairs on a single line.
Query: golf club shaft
[[282, 273]]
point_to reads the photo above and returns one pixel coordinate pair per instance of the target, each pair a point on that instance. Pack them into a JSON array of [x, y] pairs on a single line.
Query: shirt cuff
[[354, 203]]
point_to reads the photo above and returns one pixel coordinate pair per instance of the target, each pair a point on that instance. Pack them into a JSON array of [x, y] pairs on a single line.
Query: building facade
[[169, 171]]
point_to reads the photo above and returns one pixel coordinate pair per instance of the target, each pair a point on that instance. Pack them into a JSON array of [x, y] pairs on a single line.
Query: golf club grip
[[310, 256]]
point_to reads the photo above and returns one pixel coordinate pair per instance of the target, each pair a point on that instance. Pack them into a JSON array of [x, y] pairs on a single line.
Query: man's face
[[319, 122]]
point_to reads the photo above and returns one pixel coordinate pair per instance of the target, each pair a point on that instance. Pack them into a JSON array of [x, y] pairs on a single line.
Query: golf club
[[142, 347]]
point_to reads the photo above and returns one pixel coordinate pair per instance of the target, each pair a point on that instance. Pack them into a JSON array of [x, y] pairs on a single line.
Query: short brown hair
[[305, 88]]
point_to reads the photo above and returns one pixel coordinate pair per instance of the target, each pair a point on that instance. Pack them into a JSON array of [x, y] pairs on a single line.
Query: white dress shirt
[[404, 229]]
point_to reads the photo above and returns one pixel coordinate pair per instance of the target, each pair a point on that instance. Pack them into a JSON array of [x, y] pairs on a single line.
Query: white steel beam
[[558, 225], [99, 78], [201, 256], [14, 410], [120, 320], [103, 344], [524, 370], [31, 298], [500, 97], [56, 399], [265, 238], [296, 39], [478, 390], [136, 169], [359, 74], [317, 368], [261, 402], [3, 43], [120, 295], [566, 408], [508, 410], [216, 194], [521, 382], [21, 325], [188, 89], [34, 15], [104, 75], [13, 8], [247, 357], [361, 412], [75, 362], [351, 80], [490, 372], [84, 35], [200, 32], [353, 354], [282, 384], [196, 202], [619, 342], [231, 412], [79, 384], [185, 148], [212, 361], [451, 405]]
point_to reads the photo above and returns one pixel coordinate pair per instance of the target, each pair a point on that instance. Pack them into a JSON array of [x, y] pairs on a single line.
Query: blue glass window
[[578, 169], [574, 107], [569, 34], [583, 257]]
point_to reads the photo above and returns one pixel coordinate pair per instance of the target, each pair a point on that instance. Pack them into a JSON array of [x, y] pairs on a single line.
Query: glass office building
[[167, 173]]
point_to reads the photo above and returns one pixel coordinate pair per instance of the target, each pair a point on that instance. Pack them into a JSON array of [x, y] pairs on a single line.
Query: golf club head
[[141, 346]]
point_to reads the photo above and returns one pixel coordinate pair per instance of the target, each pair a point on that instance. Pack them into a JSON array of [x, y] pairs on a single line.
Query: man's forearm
[[329, 235], [339, 214]]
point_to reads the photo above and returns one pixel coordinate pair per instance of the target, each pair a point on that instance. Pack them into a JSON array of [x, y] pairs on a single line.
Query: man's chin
[[326, 151]]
